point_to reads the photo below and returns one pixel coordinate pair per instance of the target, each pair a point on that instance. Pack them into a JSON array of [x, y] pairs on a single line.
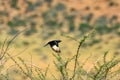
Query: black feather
[[53, 43]]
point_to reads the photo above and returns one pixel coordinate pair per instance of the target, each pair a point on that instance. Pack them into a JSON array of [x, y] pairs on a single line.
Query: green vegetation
[[102, 69], [89, 49]]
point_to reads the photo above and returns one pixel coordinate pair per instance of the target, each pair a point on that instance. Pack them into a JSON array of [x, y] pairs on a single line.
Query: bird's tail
[[45, 45]]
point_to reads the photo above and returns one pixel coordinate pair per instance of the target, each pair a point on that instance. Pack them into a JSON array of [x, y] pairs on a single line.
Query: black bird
[[54, 45]]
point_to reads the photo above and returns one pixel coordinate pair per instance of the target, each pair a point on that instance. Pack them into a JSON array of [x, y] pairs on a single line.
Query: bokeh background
[[46, 20]]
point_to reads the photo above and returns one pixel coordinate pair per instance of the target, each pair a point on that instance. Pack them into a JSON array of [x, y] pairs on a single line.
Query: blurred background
[[46, 20]]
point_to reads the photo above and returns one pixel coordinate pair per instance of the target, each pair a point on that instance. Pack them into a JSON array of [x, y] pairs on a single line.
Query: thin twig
[[21, 52], [9, 43], [76, 60], [2, 48], [31, 68], [77, 54]]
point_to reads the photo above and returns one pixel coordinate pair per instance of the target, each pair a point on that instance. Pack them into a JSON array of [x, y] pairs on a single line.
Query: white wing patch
[[56, 48]]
